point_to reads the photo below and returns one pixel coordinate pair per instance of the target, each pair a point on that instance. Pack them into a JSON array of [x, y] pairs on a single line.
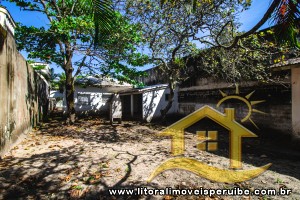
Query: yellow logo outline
[[246, 100], [236, 130]]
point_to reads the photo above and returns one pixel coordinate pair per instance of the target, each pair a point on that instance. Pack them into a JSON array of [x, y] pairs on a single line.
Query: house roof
[[100, 81], [286, 64], [143, 89], [108, 84]]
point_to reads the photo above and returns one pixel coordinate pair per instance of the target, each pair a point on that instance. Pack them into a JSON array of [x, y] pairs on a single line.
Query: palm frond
[[103, 16], [286, 18]]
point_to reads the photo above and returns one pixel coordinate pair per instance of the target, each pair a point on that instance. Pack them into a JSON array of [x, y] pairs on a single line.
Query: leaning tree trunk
[[70, 91], [164, 111]]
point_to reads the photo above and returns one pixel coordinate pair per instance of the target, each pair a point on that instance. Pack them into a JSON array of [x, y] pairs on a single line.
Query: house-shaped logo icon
[[227, 120], [236, 131]]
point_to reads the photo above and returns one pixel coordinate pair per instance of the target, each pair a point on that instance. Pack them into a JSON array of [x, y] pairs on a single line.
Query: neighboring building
[[293, 67], [280, 99], [56, 100], [6, 21], [278, 111], [42, 68], [92, 100]]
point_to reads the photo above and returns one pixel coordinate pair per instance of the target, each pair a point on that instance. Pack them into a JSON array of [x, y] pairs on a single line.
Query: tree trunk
[[164, 111], [70, 98], [70, 90]]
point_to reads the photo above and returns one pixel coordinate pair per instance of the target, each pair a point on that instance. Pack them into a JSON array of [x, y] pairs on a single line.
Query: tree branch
[[73, 6], [46, 10], [80, 66], [263, 20], [57, 9]]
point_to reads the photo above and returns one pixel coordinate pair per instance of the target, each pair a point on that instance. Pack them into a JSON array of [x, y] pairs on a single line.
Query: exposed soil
[[84, 160]]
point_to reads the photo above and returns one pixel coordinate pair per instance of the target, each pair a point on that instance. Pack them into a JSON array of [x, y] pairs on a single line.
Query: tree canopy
[[284, 14], [172, 31], [179, 31], [72, 33]]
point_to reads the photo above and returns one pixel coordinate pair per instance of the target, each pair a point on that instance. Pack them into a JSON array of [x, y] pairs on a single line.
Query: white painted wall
[[115, 108], [59, 98], [97, 99], [154, 101]]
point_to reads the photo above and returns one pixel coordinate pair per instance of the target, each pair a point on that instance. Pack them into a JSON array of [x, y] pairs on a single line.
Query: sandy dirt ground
[[84, 160]]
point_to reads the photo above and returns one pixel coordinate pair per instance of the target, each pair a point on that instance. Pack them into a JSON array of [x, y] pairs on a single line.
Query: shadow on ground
[[71, 170], [66, 172]]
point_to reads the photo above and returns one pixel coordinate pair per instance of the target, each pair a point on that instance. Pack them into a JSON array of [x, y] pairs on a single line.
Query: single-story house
[[145, 103], [92, 95]]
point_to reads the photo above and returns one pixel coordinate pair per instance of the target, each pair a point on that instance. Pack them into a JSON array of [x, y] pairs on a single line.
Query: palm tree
[[286, 17]]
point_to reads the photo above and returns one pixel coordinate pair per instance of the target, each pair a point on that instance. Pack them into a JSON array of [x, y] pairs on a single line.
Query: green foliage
[[234, 65], [77, 187], [99, 11], [172, 29], [171, 33], [83, 25], [250, 60], [39, 43], [279, 181], [192, 5], [74, 28], [286, 17], [120, 51], [58, 81], [116, 54]]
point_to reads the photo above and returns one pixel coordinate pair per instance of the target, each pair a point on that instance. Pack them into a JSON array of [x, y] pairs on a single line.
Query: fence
[[24, 93]]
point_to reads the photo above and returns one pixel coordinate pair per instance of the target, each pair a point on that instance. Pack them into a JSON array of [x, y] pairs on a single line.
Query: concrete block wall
[[24, 94], [277, 105]]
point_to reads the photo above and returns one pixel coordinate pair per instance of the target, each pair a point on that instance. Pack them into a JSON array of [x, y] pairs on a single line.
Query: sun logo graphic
[[249, 103]]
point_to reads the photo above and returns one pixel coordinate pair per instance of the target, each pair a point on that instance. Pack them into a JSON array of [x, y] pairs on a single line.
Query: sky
[[248, 19]]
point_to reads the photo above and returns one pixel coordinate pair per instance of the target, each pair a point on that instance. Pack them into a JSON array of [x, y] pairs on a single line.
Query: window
[[84, 99]]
